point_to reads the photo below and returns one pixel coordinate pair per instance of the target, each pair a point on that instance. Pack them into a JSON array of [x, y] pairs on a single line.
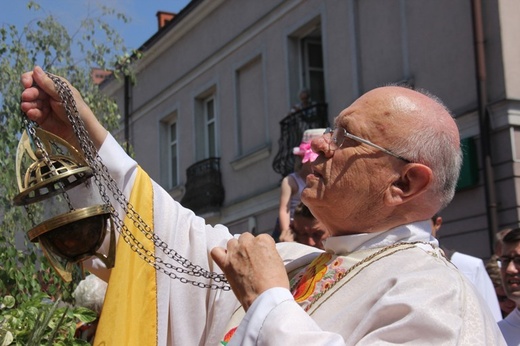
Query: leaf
[[8, 302], [85, 315], [6, 337], [58, 325]]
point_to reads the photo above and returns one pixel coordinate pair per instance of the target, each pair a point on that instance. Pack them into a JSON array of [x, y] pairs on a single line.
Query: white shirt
[[510, 327], [475, 270]]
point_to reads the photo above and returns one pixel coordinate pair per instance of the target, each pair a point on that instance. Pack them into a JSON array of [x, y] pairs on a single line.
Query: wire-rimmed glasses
[[338, 135]]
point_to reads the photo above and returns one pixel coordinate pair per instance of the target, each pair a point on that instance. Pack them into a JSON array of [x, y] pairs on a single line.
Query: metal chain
[[104, 181], [30, 214]]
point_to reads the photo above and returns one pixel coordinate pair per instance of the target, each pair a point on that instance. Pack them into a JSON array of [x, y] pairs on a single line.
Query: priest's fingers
[[252, 265]]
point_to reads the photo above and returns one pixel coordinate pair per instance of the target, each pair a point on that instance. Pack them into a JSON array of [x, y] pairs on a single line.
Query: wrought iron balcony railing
[[204, 190], [291, 132]]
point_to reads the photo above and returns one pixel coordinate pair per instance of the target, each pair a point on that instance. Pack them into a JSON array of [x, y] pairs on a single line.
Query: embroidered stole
[[129, 315], [322, 277]]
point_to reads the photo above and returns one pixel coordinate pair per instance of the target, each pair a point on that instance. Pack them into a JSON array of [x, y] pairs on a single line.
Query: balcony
[[291, 131], [204, 190]]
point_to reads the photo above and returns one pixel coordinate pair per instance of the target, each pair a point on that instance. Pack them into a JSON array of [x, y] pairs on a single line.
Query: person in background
[[493, 269], [390, 163], [305, 101], [294, 183], [510, 271], [306, 229], [498, 240], [474, 269]]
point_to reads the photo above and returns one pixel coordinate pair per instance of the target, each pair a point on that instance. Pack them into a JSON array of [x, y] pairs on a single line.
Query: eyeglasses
[[338, 137], [505, 260]]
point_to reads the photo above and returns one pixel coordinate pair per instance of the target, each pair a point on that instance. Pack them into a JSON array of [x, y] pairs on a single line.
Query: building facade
[[208, 115]]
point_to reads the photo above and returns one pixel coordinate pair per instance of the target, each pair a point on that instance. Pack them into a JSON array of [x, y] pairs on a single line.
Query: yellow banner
[[129, 315]]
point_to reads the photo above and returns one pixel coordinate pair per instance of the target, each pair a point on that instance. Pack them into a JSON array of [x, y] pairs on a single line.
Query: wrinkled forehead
[[387, 111], [367, 121]]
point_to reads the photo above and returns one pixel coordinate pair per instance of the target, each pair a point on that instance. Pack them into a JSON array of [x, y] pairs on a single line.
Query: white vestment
[[510, 327], [412, 296], [475, 271]]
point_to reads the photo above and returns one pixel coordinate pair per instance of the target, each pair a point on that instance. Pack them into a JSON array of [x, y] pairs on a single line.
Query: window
[[210, 128], [173, 156], [312, 63], [305, 61], [206, 134], [169, 152]]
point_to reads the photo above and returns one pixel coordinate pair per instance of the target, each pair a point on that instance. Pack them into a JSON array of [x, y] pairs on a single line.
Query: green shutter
[[469, 171]]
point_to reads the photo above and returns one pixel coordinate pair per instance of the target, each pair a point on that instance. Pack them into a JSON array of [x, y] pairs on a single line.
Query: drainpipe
[[127, 113], [484, 123]]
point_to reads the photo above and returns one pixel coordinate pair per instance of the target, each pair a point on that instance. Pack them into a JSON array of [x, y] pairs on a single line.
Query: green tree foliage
[[66, 52], [39, 321]]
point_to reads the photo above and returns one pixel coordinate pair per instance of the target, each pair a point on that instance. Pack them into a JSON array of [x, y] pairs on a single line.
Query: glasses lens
[[338, 136], [329, 138]]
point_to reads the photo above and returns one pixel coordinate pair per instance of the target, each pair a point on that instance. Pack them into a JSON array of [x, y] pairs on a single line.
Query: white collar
[[417, 231]]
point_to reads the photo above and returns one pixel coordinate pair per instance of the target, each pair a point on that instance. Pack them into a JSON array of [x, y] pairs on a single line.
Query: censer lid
[[51, 172]]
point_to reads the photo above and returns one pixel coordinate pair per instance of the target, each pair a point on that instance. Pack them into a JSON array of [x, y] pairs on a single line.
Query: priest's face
[[346, 189], [510, 270]]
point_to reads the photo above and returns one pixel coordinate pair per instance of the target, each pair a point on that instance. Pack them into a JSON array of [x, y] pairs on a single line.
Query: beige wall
[[243, 50], [509, 29]]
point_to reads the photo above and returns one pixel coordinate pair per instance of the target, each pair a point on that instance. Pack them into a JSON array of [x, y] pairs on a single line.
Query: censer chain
[[101, 174]]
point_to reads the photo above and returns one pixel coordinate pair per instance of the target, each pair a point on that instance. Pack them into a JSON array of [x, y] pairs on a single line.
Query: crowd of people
[[390, 163]]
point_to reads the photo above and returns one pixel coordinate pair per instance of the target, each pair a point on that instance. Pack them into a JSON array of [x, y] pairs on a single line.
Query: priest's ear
[[414, 180]]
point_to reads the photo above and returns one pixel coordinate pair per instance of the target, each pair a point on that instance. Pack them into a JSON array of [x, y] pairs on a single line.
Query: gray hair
[[433, 147]]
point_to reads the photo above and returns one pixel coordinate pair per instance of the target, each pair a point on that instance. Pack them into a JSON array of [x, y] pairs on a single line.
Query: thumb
[[45, 83], [219, 255]]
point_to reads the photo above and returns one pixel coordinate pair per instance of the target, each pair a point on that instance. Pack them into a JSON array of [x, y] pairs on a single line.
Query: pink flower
[[305, 150]]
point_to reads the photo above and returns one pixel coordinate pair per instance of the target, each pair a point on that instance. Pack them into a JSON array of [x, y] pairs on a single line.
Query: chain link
[[30, 214], [104, 181]]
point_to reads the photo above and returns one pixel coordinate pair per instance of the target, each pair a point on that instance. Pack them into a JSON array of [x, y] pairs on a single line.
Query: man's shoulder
[[290, 251], [414, 262], [510, 327], [511, 320], [462, 260]]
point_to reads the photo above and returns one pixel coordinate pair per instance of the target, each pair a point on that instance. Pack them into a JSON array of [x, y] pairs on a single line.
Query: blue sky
[[142, 13]]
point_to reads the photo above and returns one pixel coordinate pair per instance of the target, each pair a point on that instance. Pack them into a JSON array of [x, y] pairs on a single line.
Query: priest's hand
[[251, 265], [41, 103]]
